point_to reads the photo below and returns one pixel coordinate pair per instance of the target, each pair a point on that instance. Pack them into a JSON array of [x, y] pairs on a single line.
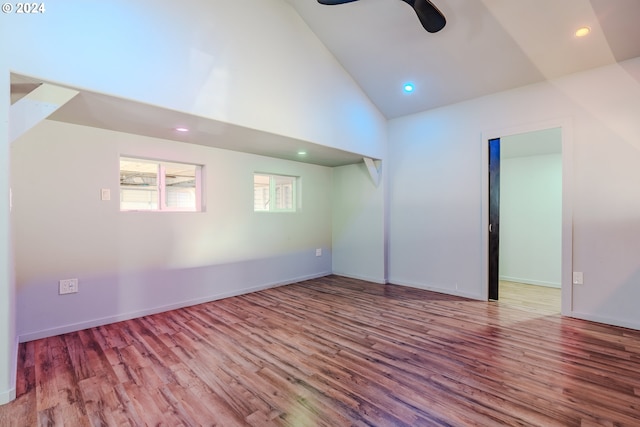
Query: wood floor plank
[[336, 352], [102, 409], [46, 387]]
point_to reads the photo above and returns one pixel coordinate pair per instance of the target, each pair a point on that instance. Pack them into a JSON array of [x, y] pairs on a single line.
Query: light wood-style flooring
[[334, 352], [542, 299]]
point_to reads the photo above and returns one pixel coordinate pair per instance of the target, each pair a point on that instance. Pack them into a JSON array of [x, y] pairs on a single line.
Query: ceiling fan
[[430, 17]]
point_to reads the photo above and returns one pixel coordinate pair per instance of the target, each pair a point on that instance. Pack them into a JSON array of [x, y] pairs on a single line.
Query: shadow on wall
[[101, 300], [612, 301]]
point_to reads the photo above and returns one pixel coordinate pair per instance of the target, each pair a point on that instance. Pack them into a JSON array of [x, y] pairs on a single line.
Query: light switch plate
[[105, 194], [578, 278]]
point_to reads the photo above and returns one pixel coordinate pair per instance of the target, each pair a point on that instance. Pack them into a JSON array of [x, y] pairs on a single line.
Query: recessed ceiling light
[[302, 153], [582, 31], [408, 87], [181, 129]]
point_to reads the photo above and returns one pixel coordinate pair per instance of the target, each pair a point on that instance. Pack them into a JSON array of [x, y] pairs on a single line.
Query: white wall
[[133, 263], [8, 347], [253, 63], [436, 234], [358, 224], [531, 219]]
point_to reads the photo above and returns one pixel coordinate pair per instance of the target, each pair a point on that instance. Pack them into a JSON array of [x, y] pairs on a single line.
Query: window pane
[[180, 185], [261, 192], [153, 185], [284, 191], [274, 193], [138, 185], [138, 199]]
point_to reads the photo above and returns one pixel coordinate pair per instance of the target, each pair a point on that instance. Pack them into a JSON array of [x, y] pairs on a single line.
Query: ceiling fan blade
[[332, 2], [430, 17]]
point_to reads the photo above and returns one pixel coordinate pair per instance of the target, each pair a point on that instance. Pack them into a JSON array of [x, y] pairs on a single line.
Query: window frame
[[161, 186], [295, 197]]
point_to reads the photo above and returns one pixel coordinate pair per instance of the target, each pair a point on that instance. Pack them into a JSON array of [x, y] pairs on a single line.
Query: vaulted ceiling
[[487, 46]]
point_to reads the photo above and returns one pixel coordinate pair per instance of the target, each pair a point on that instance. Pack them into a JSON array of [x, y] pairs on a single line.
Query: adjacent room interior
[[530, 257]]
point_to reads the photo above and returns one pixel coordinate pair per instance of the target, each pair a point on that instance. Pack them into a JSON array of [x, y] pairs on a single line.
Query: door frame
[[566, 126], [493, 254]]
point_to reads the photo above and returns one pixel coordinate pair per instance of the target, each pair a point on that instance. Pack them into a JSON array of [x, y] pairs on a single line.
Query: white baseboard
[[7, 396], [604, 320], [10, 395], [35, 335], [442, 289], [531, 281], [358, 277]]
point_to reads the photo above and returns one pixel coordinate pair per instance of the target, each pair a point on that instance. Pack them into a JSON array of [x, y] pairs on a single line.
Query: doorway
[[525, 212]]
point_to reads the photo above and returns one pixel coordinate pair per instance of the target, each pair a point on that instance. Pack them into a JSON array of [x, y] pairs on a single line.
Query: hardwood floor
[[530, 297], [334, 352]]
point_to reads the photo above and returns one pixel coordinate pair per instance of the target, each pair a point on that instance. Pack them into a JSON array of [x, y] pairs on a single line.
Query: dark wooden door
[[494, 216]]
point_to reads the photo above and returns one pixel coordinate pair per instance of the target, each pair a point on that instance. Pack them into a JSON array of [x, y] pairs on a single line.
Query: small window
[[274, 193], [150, 185]]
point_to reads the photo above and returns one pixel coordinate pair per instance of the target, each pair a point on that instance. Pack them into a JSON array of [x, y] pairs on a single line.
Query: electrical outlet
[[319, 252], [67, 286]]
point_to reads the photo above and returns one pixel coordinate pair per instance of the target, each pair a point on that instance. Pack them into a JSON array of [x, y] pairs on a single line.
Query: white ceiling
[[536, 143], [487, 46], [122, 115]]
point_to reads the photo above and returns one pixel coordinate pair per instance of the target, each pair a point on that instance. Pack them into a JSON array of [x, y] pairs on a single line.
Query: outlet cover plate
[[67, 286]]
